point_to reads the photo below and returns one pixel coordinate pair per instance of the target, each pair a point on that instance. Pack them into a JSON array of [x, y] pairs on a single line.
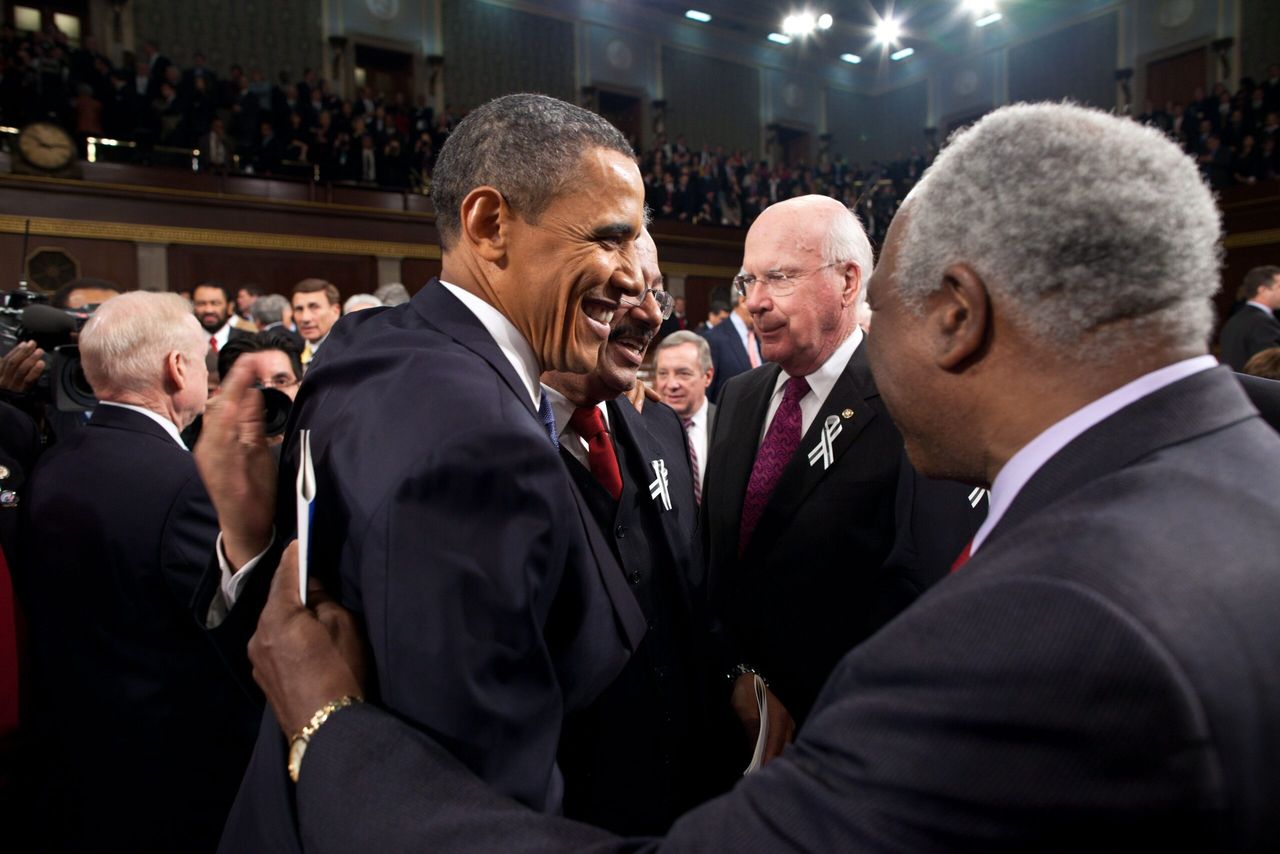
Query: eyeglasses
[[776, 282], [279, 381], [666, 302]]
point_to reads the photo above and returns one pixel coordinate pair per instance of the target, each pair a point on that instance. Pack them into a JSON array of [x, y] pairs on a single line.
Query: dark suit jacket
[[728, 356], [815, 579], [1264, 394], [1247, 332], [639, 756], [447, 522], [1103, 675], [145, 735]]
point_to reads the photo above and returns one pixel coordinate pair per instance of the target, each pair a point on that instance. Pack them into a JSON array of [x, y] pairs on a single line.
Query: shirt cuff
[[230, 582]]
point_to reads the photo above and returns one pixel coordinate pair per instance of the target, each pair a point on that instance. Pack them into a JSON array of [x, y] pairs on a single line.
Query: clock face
[[46, 146], [384, 9]]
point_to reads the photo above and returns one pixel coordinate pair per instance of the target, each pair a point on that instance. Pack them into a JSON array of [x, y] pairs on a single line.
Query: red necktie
[[693, 461], [213, 343], [963, 557], [775, 452], [588, 423]]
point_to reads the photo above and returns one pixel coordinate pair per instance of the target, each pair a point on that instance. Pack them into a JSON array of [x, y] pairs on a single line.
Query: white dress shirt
[[169, 426], [741, 326], [1023, 465], [512, 344], [821, 382], [569, 438], [222, 335], [1260, 307], [697, 433]]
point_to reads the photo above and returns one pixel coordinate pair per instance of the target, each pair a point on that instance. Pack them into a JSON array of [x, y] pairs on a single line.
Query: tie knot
[[796, 388], [688, 423], [587, 422]]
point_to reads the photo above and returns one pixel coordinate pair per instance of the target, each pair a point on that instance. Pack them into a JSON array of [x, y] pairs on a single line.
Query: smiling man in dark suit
[[1103, 671], [444, 514]]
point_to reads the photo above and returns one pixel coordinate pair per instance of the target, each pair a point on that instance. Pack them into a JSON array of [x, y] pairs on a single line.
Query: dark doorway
[[623, 112], [795, 146], [386, 72], [1173, 79]]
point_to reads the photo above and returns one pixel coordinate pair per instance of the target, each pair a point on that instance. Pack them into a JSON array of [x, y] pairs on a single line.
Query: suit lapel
[[810, 465], [643, 449], [446, 312]]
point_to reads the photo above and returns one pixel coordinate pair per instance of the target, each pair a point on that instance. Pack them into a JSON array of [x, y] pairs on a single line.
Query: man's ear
[[486, 221], [175, 371], [852, 283], [961, 316]]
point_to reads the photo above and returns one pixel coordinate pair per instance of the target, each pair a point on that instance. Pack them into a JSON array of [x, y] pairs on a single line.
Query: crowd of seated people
[[237, 119], [1234, 136]]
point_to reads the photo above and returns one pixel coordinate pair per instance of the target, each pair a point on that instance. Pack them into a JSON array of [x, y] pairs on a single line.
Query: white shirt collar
[[740, 325], [1260, 306], [1023, 465], [824, 378], [316, 345], [222, 334], [699, 418], [169, 426], [509, 340], [564, 409]]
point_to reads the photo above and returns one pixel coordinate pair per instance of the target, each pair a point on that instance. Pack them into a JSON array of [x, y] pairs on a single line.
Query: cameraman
[[119, 530]]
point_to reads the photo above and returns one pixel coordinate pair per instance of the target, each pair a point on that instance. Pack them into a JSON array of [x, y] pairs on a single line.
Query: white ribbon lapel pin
[[825, 450], [975, 497], [660, 490]]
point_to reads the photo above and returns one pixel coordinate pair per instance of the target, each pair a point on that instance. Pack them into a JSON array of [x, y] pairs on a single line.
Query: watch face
[[46, 146]]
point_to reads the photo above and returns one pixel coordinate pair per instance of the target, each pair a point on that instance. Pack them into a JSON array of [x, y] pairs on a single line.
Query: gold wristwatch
[[298, 744]]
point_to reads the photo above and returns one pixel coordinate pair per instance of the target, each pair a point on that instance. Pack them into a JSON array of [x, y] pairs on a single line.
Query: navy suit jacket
[[1104, 674], [144, 734], [728, 356], [1247, 332], [446, 520]]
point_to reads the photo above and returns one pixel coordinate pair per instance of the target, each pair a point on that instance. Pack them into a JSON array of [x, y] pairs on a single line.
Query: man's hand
[[304, 657], [782, 730], [236, 467], [21, 367], [640, 392]]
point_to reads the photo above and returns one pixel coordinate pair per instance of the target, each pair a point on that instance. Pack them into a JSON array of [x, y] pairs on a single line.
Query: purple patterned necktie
[[693, 461], [775, 453]]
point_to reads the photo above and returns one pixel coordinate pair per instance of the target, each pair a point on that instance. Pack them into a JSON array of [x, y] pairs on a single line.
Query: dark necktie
[[963, 557], [693, 461], [775, 452], [548, 416], [588, 423]]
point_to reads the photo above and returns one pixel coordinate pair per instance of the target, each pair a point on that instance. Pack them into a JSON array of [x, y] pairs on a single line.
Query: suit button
[[621, 531], [635, 578]]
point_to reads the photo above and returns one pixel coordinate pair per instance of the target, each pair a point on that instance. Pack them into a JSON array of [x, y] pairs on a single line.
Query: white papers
[[305, 504], [762, 692]]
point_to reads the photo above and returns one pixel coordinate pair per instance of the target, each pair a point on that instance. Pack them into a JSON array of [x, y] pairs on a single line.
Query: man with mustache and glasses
[[444, 516], [644, 751]]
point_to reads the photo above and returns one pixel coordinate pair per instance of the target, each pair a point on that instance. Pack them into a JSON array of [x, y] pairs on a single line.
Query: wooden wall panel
[[273, 271], [416, 272], [114, 260]]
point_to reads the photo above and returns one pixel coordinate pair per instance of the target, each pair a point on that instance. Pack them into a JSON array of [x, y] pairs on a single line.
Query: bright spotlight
[[825, 21], [988, 20], [779, 38], [700, 17], [888, 31], [801, 24], [978, 7], [851, 58], [899, 55]]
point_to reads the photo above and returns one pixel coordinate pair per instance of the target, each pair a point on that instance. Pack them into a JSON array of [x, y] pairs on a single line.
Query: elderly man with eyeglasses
[[813, 523]]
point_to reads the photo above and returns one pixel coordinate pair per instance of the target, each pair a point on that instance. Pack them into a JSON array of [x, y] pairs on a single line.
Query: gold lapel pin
[[847, 414]]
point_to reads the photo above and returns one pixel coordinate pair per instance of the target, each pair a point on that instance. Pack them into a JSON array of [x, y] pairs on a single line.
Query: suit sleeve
[[457, 578], [190, 530]]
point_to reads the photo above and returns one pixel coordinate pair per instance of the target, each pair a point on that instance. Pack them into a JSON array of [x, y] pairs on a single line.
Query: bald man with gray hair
[[120, 530]]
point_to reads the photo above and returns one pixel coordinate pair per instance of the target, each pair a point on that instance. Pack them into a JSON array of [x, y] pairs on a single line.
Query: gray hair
[[1081, 219], [846, 240], [361, 301], [268, 309], [527, 147], [124, 345], [684, 336], [392, 293]]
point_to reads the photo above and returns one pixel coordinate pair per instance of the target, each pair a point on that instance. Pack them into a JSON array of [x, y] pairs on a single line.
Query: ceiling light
[[825, 21], [779, 38], [978, 7], [902, 54], [989, 19], [851, 58], [801, 24], [888, 31], [700, 17]]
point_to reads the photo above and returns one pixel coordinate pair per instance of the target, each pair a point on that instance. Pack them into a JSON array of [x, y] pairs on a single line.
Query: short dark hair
[[63, 294], [283, 340], [718, 307], [226, 292], [1255, 280], [251, 290], [527, 147], [315, 286]]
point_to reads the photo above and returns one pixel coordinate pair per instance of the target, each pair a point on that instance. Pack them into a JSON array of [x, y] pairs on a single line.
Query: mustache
[[631, 329]]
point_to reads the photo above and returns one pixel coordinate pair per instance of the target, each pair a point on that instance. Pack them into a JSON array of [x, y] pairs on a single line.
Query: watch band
[[298, 744]]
